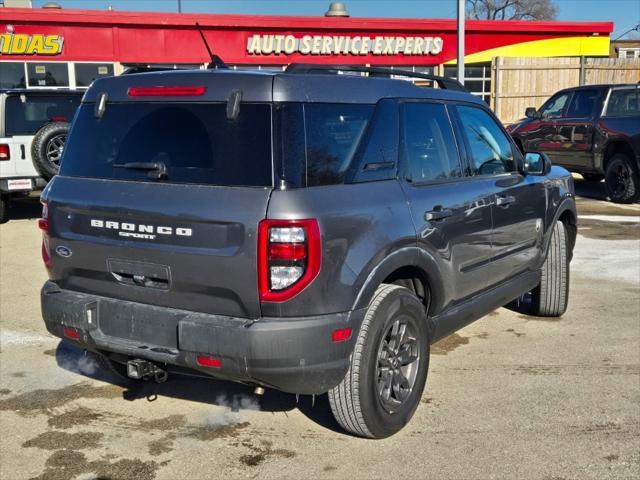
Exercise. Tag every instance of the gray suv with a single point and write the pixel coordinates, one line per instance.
(306, 231)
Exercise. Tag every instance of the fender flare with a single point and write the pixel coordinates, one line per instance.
(567, 204)
(405, 257)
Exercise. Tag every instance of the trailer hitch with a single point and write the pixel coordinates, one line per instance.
(140, 369)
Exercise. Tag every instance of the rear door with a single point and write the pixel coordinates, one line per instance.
(518, 202)
(574, 130)
(451, 212)
(159, 203)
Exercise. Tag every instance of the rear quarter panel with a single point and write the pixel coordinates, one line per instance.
(360, 225)
(611, 129)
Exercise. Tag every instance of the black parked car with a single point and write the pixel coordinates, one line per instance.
(592, 130)
(302, 231)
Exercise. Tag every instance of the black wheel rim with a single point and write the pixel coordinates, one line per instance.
(55, 146)
(397, 365)
(618, 179)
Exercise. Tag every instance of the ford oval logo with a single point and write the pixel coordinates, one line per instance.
(63, 251)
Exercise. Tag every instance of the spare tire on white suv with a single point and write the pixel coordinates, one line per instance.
(47, 147)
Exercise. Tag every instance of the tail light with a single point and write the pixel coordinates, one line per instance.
(5, 153)
(43, 224)
(289, 257)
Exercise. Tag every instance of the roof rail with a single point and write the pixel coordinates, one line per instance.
(443, 82)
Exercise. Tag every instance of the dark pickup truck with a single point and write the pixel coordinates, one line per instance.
(593, 130)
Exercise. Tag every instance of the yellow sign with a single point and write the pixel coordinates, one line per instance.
(23, 44)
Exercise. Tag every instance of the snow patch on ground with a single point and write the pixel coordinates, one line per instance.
(612, 218)
(11, 337)
(616, 260)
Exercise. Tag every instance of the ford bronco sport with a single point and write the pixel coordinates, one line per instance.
(33, 128)
(303, 231)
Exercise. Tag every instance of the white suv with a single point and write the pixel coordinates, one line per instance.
(33, 129)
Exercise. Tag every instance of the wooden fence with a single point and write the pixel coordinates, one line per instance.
(518, 83)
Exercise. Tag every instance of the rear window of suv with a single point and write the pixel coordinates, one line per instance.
(26, 113)
(196, 143)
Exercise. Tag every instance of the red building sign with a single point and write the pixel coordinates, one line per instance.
(142, 37)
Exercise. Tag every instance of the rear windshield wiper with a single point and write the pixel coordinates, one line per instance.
(157, 170)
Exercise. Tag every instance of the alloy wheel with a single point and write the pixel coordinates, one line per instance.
(55, 146)
(397, 366)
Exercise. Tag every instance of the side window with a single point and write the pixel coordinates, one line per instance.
(333, 133)
(624, 103)
(554, 106)
(428, 144)
(489, 147)
(378, 152)
(582, 103)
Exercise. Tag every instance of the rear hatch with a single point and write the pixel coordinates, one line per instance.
(160, 195)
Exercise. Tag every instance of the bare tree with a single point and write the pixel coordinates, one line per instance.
(511, 9)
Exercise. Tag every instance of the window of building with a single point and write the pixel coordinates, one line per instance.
(489, 147)
(428, 144)
(629, 52)
(48, 74)
(88, 72)
(12, 75)
(477, 78)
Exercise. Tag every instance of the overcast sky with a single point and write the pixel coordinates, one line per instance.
(624, 13)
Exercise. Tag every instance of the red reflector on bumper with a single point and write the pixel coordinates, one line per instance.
(43, 224)
(72, 333)
(341, 335)
(208, 361)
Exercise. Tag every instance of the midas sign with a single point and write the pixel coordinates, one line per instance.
(22, 44)
(343, 45)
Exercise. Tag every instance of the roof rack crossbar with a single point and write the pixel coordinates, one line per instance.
(443, 82)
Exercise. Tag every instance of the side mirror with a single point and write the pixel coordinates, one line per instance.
(537, 163)
(531, 112)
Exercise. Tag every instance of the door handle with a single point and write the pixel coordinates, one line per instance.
(505, 200)
(22, 151)
(437, 214)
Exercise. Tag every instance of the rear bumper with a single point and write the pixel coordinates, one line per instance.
(294, 355)
(12, 184)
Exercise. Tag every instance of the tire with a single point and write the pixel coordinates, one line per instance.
(592, 177)
(47, 147)
(355, 402)
(551, 297)
(621, 180)
(119, 370)
(4, 209)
